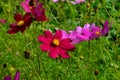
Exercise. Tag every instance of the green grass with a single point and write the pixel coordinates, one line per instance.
(101, 55)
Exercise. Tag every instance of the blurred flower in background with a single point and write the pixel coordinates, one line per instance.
(3, 21)
(17, 76)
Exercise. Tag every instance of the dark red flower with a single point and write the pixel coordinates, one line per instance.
(20, 24)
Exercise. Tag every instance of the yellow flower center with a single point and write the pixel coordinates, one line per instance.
(20, 23)
(56, 42)
(97, 32)
(30, 7)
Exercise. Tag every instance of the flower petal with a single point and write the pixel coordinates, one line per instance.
(18, 17)
(58, 34)
(44, 39)
(48, 34)
(66, 45)
(53, 52)
(7, 78)
(44, 47)
(63, 53)
(17, 76)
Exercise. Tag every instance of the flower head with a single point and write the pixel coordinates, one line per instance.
(78, 35)
(77, 1)
(29, 4)
(37, 10)
(17, 76)
(3, 21)
(20, 24)
(55, 44)
(55, 1)
(39, 13)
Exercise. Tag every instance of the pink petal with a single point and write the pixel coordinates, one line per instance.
(63, 53)
(3, 21)
(48, 34)
(17, 76)
(26, 7)
(53, 53)
(58, 34)
(44, 47)
(44, 39)
(64, 34)
(66, 46)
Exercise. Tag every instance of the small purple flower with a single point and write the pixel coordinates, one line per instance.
(96, 31)
(77, 1)
(17, 76)
(55, 1)
(3, 21)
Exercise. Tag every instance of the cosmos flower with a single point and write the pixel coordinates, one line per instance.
(55, 0)
(39, 13)
(77, 1)
(78, 35)
(37, 10)
(29, 4)
(20, 24)
(55, 45)
(88, 32)
(96, 31)
(3, 21)
(17, 76)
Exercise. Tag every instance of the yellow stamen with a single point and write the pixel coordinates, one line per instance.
(97, 32)
(20, 23)
(30, 7)
(56, 42)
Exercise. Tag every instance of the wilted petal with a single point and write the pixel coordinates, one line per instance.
(105, 29)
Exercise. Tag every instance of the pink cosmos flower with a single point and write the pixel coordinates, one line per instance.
(3, 21)
(55, 0)
(77, 1)
(17, 76)
(39, 13)
(26, 5)
(78, 35)
(55, 45)
(37, 10)
(96, 31)
(88, 32)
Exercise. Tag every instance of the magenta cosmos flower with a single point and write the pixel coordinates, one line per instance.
(78, 35)
(96, 31)
(77, 1)
(17, 76)
(37, 10)
(55, 1)
(3, 21)
(20, 24)
(55, 45)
